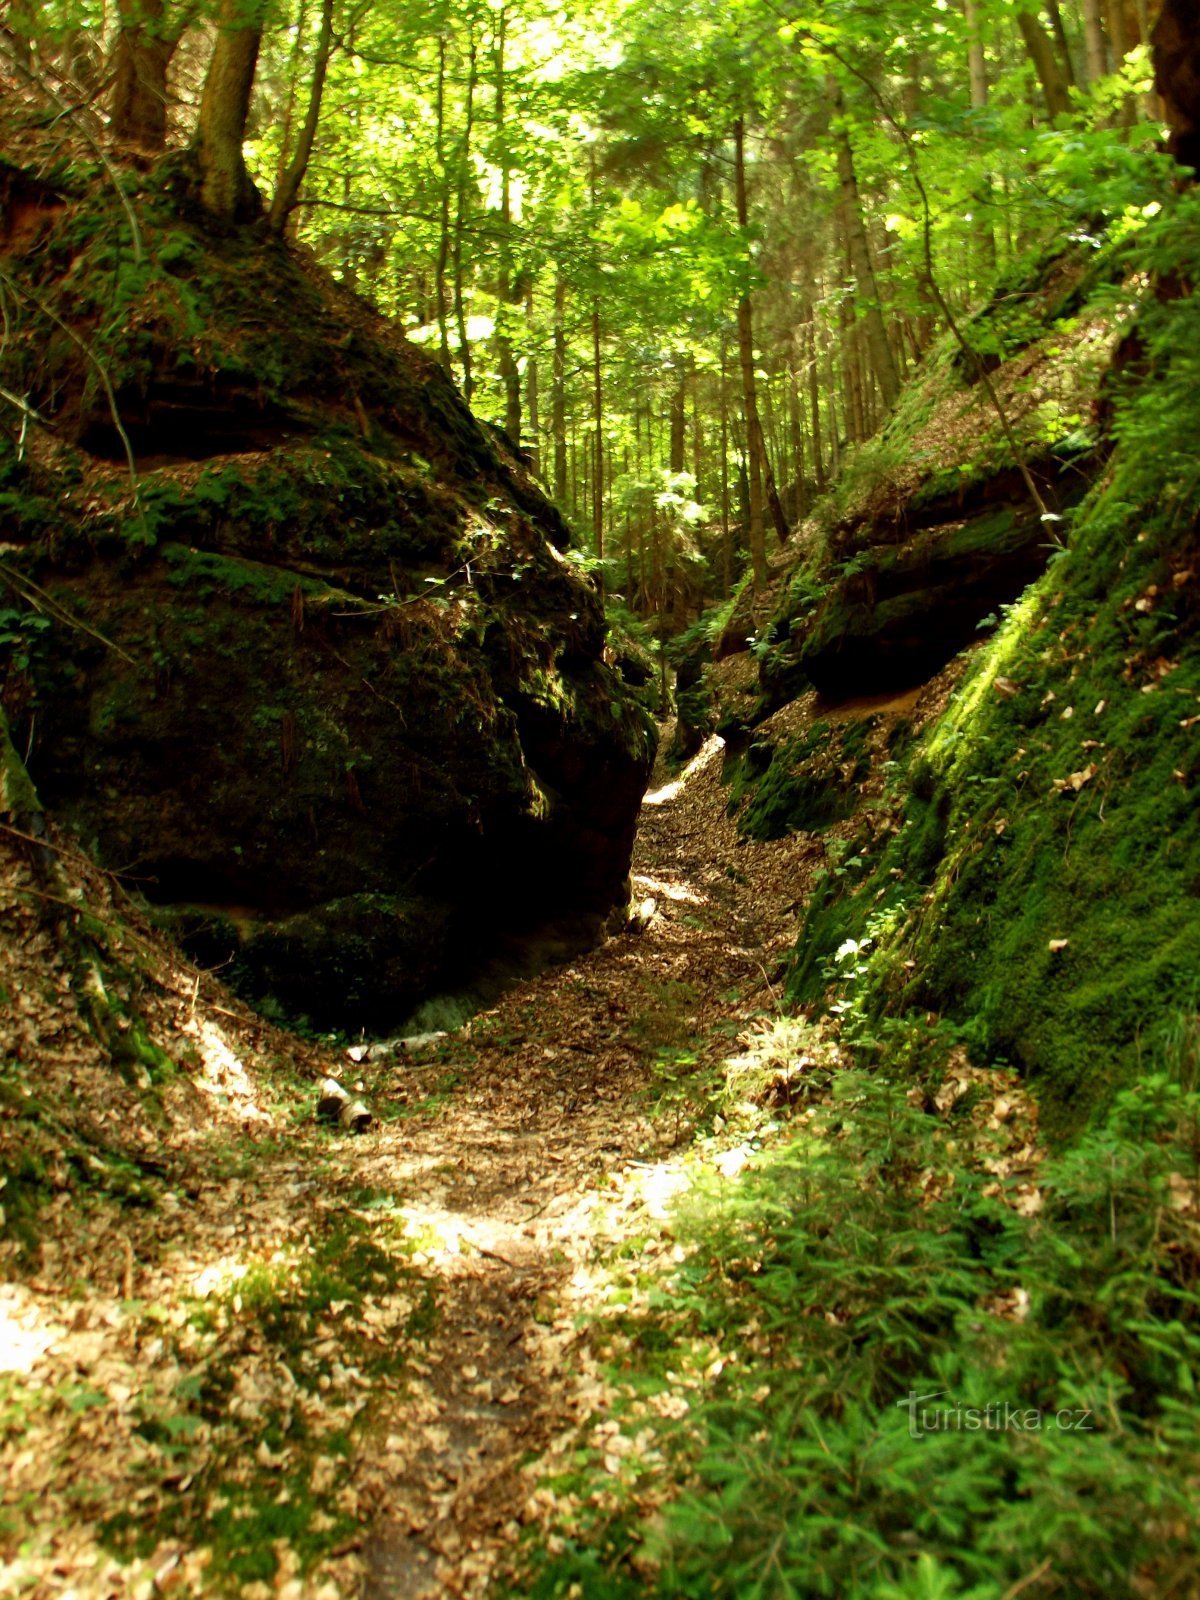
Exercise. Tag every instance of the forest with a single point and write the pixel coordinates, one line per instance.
(599, 855)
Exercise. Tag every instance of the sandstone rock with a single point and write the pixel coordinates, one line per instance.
(352, 724)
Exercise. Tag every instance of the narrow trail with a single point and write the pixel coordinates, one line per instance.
(516, 1173)
(251, 1339)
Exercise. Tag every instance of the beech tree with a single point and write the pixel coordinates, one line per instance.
(226, 190)
(292, 175)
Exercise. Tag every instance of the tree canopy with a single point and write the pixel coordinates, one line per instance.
(647, 240)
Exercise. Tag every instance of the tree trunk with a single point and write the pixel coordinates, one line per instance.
(1095, 44)
(851, 389)
(867, 291)
(1118, 32)
(831, 412)
(814, 402)
(141, 57)
(976, 62)
(1176, 41)
(288, 191)
(629, 533)
(1058, 29)
(295, 68)
(771, 489)
(679, 417)
(726, 529)
(598, 420)
(460, 214)
(745, 327)
(697, 431)
(443, 250)
(1045, 64)
(796, 434)
(977, 72)
(531, 388)
(510, 377)
(225, 188)
(558, 390)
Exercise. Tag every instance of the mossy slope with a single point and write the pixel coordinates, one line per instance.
(1035, 871)
(930, 526)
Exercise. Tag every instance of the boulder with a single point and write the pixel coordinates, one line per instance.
(326, 686)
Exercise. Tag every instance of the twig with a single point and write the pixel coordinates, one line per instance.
(25, 409)
(494, 1255)
(368, 608)
(84, 910)
(19, 582)
(48, 311)
(1040, 1571)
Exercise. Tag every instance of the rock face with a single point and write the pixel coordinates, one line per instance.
(1012, 849)
(902, 609)
(338, 695)
(930, 529)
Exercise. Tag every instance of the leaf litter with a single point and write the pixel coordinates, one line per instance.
(247, 1353)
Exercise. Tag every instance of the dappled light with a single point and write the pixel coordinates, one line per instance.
(223, 1075)
(707, 754)
(599, 748)
(26, 1333)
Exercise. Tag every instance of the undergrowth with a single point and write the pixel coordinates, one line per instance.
(911, 1379)
(252, 1446)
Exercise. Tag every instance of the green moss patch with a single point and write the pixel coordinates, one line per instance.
(1041, 884)
(806, 783)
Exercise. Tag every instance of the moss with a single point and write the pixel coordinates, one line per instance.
(806, 784)
(1041, 888)
(27, 1189)
(1052, 817)
(204, 572)
(276, 1478)
(18, 798)
(317, 512)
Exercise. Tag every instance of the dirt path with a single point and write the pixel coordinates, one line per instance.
(198, 1379)
(555, 1109)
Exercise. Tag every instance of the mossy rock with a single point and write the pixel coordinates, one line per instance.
(1043, 888)
(805, 784)
(371, 956)
(1037, 879)
(332, 677)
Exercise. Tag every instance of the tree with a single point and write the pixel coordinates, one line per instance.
(1046, 64)
(225, 187)
(288, 191)
(745, 327)
(883, 362)
(147, 40)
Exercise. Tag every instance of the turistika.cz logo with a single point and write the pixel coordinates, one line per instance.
(997, 1417)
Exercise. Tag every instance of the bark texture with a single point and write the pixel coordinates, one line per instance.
(288, 191)
(1177, 76)
(1045, 63)
(225, 188)
(141, 58)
